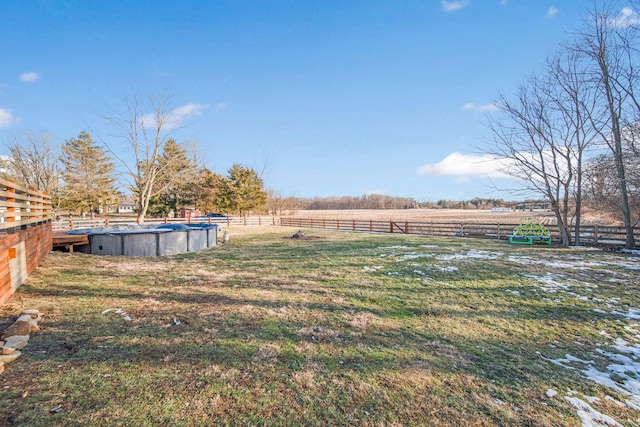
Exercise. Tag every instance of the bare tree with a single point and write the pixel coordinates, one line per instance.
(545, 134)
(145, 135)
(33, 162)
(609, 44)
(574, 101)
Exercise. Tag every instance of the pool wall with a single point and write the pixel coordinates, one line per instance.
(153, 242)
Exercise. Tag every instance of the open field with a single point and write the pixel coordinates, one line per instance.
(436, 215)
(337, 329)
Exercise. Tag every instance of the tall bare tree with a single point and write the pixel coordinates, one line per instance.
(610, 43)
(145, 136)
(544, 133)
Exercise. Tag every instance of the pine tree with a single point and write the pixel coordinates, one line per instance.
(169, 185)
(242, 191)
(87, 173)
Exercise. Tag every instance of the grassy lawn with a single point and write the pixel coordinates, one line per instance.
(338, 329)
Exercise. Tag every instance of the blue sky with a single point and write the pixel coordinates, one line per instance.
(329, 98)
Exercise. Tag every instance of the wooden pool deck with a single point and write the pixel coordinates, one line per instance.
(68, 241)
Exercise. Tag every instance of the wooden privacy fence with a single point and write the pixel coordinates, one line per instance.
(589, 234)
(25, 234)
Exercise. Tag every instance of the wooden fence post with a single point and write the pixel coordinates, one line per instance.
(338, 224)
(406, 227)
(595, 234)
(353, 225)
(391, 226)
(498, 233)
(370, 225)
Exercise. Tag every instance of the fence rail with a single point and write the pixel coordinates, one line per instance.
(589, 234)
(72, 224)
(21, 206)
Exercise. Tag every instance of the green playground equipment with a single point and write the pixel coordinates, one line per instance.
(530, 232)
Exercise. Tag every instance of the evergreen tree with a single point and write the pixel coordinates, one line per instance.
(169, 186)
(242, 191)
(87, 172)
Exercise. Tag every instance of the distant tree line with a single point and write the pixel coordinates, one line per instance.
(277, 204)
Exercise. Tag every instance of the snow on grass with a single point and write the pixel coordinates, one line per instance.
(550, 282)
(589, 416)
(574, 262)
(621, 375)
(471, 254)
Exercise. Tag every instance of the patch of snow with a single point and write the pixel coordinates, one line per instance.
(413, 255)
(617, 402)
(474, 254)
(550, 282)
(631, 251)
(449, 268)
(589, 416)
(372, 269)
(591, 399)
(119, 311)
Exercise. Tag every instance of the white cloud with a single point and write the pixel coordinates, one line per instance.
(29, 77)
(626, 18)
(175, 117)
(6, 118)
(450, 6)
(552, 11)
(464, 166)
(480, 108)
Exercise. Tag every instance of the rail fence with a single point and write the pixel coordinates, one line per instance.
(73, 224)
(589, 234)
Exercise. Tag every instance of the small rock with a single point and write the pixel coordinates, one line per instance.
(56, 409)
(8, 358)
(7, 351)
(317, 329)
(35, 314)
(18, 328)
(16, 341)
(551, 393)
